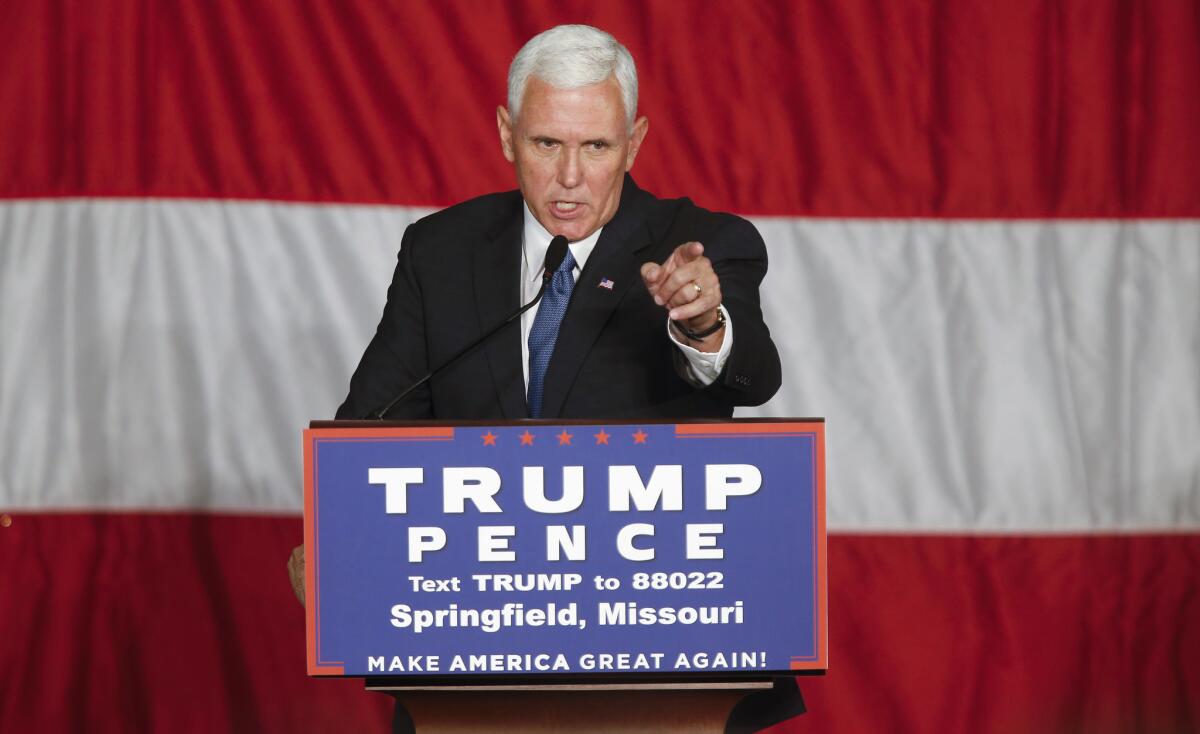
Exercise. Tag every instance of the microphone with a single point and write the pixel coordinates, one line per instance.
(555, 254)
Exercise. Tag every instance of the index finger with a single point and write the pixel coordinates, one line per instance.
(689, 251)
(651, 272)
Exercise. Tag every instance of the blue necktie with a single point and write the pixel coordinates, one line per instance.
(545, 330)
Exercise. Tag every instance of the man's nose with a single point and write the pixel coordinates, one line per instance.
(569, 171)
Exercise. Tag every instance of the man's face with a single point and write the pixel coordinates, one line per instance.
(571, 150)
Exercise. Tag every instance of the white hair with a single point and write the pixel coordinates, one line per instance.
(573, 56)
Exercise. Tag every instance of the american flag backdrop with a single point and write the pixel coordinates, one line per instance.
(983, 221)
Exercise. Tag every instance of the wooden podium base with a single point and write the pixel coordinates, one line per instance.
(695, 708)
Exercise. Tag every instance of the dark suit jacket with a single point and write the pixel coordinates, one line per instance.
(459, 274)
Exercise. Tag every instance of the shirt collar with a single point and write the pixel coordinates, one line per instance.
(535, 241)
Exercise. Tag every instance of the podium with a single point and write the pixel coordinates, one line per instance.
(695, 708)
(547, 576)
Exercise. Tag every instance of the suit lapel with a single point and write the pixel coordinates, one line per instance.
(615, 258)
(497, 275)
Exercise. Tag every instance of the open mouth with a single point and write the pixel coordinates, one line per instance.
(565, 208)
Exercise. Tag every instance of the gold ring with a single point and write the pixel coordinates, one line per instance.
(699, 290)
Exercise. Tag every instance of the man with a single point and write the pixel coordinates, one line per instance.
(654, 313)
(572, 136)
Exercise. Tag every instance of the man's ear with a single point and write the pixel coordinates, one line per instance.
(635, 141)
(504, 123)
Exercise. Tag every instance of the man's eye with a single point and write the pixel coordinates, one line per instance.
(547, 144)
(598, 146)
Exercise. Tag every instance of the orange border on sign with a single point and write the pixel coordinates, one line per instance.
(310, 561)
(822, 661)
(409, 432)
(730, 429)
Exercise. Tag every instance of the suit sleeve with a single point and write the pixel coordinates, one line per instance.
(752, 374)
(396, 357)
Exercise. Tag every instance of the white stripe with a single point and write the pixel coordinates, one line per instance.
(976, 376)
(167, 354)
(995, 375)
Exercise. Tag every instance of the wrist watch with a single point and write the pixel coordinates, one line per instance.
(700, 335)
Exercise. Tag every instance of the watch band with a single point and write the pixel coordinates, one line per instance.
(699, 335)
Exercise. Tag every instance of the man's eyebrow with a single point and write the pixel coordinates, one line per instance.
(544, 139)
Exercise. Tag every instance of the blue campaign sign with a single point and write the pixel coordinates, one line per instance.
(566, 550)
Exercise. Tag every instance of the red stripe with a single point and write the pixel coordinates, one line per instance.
(117, 623)
(1085, 108)
(1010, 634)
(187, 623)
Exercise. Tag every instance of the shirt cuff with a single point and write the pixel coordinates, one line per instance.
(703, 368)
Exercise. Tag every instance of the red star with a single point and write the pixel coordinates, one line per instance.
(527, 438)
(601, 438)
(564, 438)
(639, 437)
(489, 439)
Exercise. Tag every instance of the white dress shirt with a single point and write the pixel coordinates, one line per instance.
(703, 367)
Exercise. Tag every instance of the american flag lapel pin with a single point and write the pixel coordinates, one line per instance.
(606, 283)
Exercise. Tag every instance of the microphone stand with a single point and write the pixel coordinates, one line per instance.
(554, 257)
